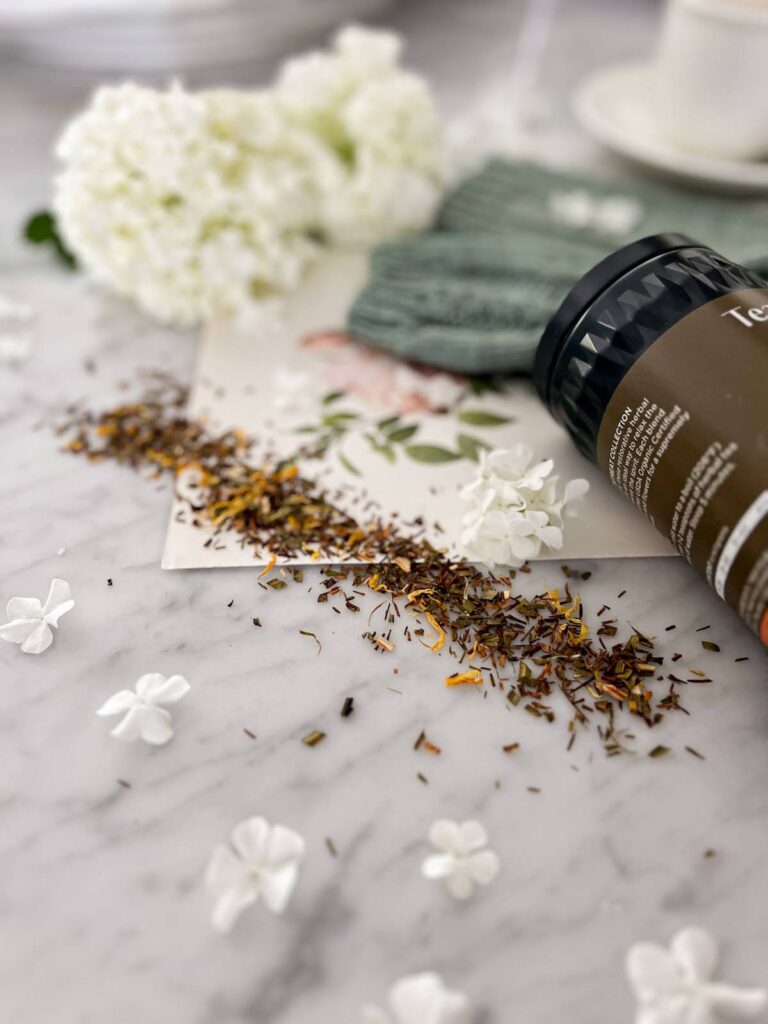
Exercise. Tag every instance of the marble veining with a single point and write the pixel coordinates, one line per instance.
(103, 913)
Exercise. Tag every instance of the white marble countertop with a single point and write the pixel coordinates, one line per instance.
(103, 915)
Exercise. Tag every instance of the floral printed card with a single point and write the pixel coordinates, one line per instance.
(382, 436)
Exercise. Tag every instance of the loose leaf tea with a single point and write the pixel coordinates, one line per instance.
(525, 648)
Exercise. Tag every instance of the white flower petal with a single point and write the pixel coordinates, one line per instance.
(459, 883)
(368, 49)
(24, 608)
(225, 870)
(438, 865)
(484, 867)
(277, 885)
(417, 998)
(552, 536)
(229, 906)
(119, 702)
(576, 489)
(651, 971)
(472, 836)
(695, 951)
(128, 729)
(38, 640)
(169, 691)
(16, 631)
(284, 846)
(741, 1003)
(444, 835)
(232, 889)
(58, 602)
(250, 838)
(148, 685)
(155, 724)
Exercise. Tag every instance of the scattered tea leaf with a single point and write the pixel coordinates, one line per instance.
(306, 632)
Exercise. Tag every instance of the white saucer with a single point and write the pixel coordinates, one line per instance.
(615, 106)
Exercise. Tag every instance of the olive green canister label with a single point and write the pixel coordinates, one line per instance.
(685, 436)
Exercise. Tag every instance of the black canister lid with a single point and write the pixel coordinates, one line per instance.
(586, 291)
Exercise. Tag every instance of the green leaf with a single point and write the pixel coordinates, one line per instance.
(470, 447)
(41, 229)
(332, 396)
(400, 434)
(383, 449)
(336, 418)
(388, 421)
(482, 385)
(348, 465)
(481, 418)
(430, 453)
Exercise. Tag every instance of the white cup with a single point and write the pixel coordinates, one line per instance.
(711, 80)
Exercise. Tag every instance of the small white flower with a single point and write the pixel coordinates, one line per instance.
(32, 623)
(438, 390)
(145, 718)
(264, 862)
(515, 507)
(420, 999)
(613, 215)
(673, 986)
(293, 390)
(463, 860)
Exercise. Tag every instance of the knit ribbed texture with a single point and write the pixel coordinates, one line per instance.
(475, 294)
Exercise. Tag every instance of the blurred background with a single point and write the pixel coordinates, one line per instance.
(493, 60)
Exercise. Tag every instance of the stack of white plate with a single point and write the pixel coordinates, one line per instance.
(155, 36)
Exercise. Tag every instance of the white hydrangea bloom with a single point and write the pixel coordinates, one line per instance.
(675, 986)
(515, 507)
(420, 999)
(190, 204)
(380, 123)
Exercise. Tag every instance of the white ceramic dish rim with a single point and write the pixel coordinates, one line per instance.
(653, 151)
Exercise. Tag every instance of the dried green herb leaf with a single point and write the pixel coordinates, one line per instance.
(306, 632)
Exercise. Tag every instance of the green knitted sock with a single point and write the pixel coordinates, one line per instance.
(474, 295)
